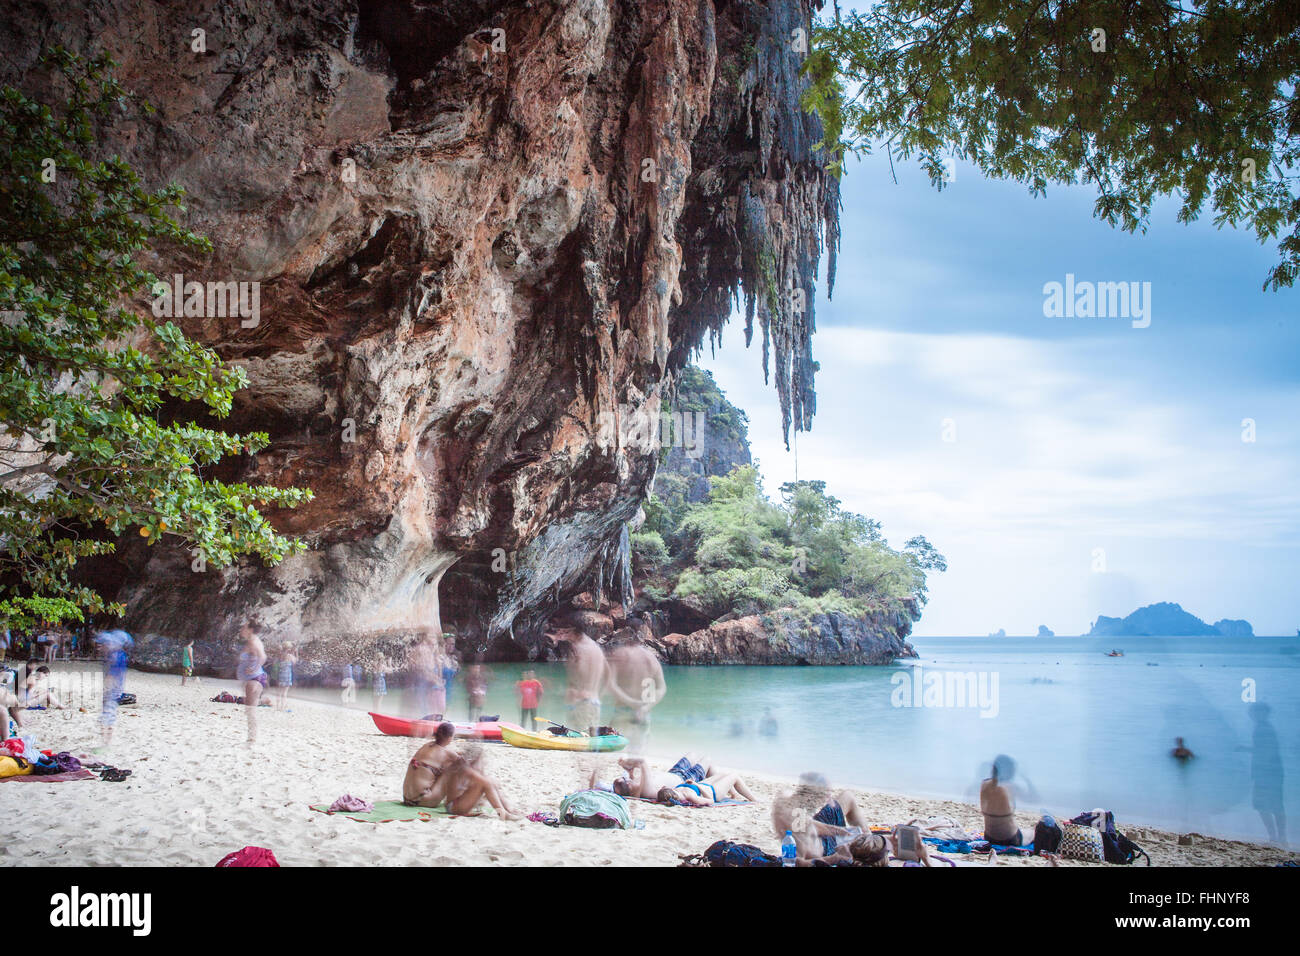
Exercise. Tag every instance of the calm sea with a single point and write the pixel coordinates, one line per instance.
(1086, 730)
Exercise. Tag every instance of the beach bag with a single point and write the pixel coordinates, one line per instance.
(1047, 836)
(126, 698)
(14, 766)
(249, 856)
(598, 809)
(727, 853)
(1079, 842)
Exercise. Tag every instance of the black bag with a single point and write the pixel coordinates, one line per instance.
(1120, 849)
(1047, 837)
(126, 698)
(727, 853)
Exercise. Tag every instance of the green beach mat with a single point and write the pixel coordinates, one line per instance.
(387, 811)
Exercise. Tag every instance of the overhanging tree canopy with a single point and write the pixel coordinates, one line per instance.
(1140, 99)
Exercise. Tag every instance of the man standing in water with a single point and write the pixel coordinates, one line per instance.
(587, 675)
(637, 683)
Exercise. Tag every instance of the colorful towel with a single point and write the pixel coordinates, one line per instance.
(390, 811)
(55, 777)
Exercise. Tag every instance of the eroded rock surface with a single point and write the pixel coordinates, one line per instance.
(486, 233)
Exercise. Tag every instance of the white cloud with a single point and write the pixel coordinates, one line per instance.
(1062, 445)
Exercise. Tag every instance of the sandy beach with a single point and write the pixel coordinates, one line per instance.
(198, 792)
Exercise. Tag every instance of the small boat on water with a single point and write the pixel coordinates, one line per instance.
(401, 727)
(1115, 653)
(516, 736)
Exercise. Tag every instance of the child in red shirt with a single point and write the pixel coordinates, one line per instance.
(530, 695)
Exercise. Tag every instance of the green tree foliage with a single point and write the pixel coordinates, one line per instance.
(739, 551)
(1191, 100)
(84, 453)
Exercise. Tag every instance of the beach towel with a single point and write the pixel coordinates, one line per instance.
(941, 828)
(56, 777)
(390, 811)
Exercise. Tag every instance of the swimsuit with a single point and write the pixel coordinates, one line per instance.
(689, 785)
(832, 814)
(688, 771)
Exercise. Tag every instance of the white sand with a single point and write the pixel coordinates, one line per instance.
(197, 793)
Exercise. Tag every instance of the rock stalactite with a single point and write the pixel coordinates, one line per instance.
(482, 231)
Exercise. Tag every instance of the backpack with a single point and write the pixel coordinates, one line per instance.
(1047, 836)
(727, 853)
(598, 809)
(1120, 849)
(249, 856)
(44, 766)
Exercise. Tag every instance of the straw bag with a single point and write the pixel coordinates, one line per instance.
(1082, 843)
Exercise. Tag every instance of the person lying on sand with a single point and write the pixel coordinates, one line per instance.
(438, 775)
(824, 825)
(706, 792)
(641, 780)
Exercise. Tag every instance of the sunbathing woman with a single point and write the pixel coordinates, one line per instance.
(706, 792)
(437, 775)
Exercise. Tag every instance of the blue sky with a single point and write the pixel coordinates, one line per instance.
(1080, 443)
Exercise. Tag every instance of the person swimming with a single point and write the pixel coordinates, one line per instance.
(1180, 752)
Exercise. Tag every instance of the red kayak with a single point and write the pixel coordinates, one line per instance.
(401, 727)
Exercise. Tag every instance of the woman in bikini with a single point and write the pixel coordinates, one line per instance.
(706, 792)
(998, 804)
(251, 673)
(437, 775)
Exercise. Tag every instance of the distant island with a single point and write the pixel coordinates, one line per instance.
(1000, 632)
(1045, 631)
(1166, 620)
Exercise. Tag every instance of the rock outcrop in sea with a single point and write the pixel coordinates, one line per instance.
(488, 235)
(1166, 620)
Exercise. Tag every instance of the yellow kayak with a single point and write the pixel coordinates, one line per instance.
(516, 736)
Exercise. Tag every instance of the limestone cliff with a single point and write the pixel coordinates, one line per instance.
(487, 235)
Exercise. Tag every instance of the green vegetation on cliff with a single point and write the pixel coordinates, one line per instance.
(739, 552)
(88, 447)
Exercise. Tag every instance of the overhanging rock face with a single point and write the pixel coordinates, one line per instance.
(486, 235)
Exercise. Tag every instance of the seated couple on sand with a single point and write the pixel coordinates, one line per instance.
(689, 782)
(437, 775)
(830, 828)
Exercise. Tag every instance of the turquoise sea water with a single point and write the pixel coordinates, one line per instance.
(1086, 730)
